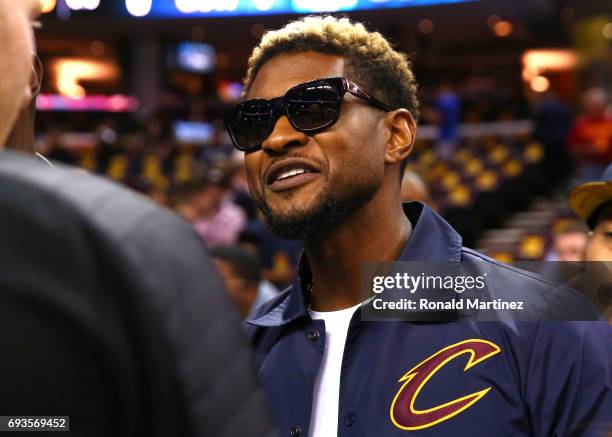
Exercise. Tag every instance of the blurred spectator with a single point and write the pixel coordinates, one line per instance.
(182, 199)
(53, 149)
(553, 120)
(279, 256)
(600, 249)
(600, 244)
(447, 115)
(592, 201)
(591, 135)
(563, 263)
(153, 192)
(570, 244)
(241, 196)
(204, 203)
(241, 272)
(414, 188)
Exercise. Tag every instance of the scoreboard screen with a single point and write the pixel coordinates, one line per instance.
(217, 8)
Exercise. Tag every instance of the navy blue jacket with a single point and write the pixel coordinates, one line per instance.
(440, 379)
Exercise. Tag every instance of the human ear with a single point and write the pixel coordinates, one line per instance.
(401, 132)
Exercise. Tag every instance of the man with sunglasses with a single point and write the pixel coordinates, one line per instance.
(327, 124)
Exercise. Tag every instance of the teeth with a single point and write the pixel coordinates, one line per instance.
(289, 173)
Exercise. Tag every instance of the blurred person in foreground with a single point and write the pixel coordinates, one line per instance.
(590, 137)
(107, 302)
(336, 109)
(16, 63)
(241, 271)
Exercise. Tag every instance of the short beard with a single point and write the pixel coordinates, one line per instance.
(329, 211)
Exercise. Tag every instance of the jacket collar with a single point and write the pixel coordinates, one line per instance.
(432, 239)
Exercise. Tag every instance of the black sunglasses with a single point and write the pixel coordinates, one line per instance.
(310, 107)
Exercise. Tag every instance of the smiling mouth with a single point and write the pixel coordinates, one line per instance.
(290, 175)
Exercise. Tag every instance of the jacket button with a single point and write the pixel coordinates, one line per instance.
(349, 419)
(313, 335)
(296, 430)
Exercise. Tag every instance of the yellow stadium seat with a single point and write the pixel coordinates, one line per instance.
(512, 168)
(473, 167)
(450, 180)
(534, 152)
(498, 155)
(117, 167)
(532, 247)
(460, 196)
(487, 181)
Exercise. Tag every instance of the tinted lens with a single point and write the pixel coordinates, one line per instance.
(251, 123)
(313, 106)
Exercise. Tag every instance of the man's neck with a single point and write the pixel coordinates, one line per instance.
(373, 233)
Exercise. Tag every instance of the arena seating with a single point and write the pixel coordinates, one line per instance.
(484, 181)
(496, 172)
(528, 236)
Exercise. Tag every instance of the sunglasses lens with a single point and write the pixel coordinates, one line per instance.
(250, 124)
(313, 106)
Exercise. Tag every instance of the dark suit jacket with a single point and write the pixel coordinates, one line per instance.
(111, 313)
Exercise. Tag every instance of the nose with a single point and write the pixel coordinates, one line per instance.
(283, 136)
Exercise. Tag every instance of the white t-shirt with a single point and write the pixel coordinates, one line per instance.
(324, 418)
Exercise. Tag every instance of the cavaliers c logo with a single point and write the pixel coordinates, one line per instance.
(406, 417)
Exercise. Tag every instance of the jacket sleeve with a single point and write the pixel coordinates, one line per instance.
(569, 382)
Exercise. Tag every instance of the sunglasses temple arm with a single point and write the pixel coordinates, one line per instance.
(354, 89)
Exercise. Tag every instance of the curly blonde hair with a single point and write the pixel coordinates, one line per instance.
(369, 58)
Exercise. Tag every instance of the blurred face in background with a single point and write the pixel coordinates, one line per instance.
(239, 180)
(600, 243)
(208, 201)
(595, 102)
(571, 246)
(413, 188)
(240, 290)
(17, 47)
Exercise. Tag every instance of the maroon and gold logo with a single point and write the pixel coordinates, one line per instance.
(406, 417)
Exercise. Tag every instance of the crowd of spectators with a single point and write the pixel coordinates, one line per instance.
(465, 179)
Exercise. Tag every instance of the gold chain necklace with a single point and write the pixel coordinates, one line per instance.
(310, 294)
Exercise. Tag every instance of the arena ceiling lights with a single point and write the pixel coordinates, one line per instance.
(200, 8)
(83, 5)
(138, 8)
